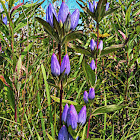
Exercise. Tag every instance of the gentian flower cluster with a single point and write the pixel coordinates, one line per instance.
(93, 44)
(62, 15)
(56, 69)
(93, 7)
(71, 118)
(89, 96)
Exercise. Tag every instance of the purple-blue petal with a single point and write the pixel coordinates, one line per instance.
(91, 7)
(92, 44)
(64, 114)
(85, 97)
(91, 94)
(55, 67)
(63, 12)
(63, 133)
(82, 115)
(49, 14)
(65, 65)
(5, 20)
(94, 4)
(92, 65)
(72, 117)
(107, 6)
(74, 19)
(100, 45)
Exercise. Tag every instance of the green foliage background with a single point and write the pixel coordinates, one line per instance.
(25, 44)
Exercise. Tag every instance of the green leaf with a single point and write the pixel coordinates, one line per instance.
(20, 25)
(48, 99)
(81, 50)
(63, 100)
(127, 16)
(72, 36)
(111, 49)
(49, 29)
(107, 109)
(90, 74)
(10, 96)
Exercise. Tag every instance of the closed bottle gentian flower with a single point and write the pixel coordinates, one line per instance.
(82, 115)
(72, 117)
(55, 67)
(92, 44)
(63, 12)
(65, 65)
(91, 94)
(92, 65)
(91, 7)
(49, 14)
(64, 114)
(74, 19)
(85, 97)
(4, 19)
(107, 6)
(100, 45)
(63, 133)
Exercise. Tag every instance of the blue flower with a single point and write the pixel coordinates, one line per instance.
(92, 44)
(65, 65)
(49, 14)
(74, 19)
(91, 94)
(55, 67)
(72, 117)
(63, 12)
(82, 115)
(63, 133)
(92, 65)
(107, 6)
(92, 6)
(85, 97)
(64, 114)
(100, 45)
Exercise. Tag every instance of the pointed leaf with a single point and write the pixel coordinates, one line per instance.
(49, 29)
(111, 49)
(63, 100)
(90, 74)
(72, 36)
(107, 109)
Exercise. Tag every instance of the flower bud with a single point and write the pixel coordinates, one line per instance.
(107, 6)
(65, 65)
(63, 133)
(82, 115)
(94, 4)
(92, 65)
(72, 117)
(4, 19)
(92, 44)
(91, 94)
(64, 114)
(100, 45)
(63, 12)
(67, 23)
(74, 19)
(91, 7)
(49, 14)
(55, 67)
(85, 97)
